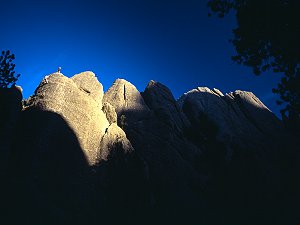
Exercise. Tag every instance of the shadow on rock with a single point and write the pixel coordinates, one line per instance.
(47, 170)
(122, 178)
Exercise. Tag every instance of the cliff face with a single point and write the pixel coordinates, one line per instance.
(241, 118)
(78, 100)
(207, 158)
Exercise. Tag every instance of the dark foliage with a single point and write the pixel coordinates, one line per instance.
(7, 74)
(267, 39)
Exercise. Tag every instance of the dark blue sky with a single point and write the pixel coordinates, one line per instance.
(173, 42)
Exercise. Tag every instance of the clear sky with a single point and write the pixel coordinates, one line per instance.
(173, 42)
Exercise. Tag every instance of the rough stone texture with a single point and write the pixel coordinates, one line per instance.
(257, 113)
(114, 138)
(255, 142)
(240, 117)
(110, 112)
(78, 101)
(164, 150)
(218, 92)
(160, 99)
(125, 98)
(88, 82)
(141, 123)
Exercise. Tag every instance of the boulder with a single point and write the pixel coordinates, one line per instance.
(240, 117)
(257, 113)
(114, 139)
(78, 101)
(127, 100)
(88, 82)
(159, 98)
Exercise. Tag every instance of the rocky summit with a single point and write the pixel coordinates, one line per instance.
(72, 154)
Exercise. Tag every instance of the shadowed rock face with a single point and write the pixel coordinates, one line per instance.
(241, 118)
(257, 113)
(166, 155)
(160, 99)
(254, 140)
(114, 136)
(11, 106)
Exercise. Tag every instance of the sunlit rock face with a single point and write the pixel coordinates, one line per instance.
(125, 98)
(79, 101)
(110, 112)
(88, 82)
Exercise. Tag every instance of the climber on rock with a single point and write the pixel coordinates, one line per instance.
(46, 79)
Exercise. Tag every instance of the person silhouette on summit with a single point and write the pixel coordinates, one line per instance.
(46, 77)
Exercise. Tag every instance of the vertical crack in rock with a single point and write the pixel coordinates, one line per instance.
(113, 138)
(124, 95)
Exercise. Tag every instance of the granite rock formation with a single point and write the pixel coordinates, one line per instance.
(79, 101)
(58, 138)
(77, 155)
(242, 120)
(160, 99)
(114, 136)
(125, 98)
(110, 112)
